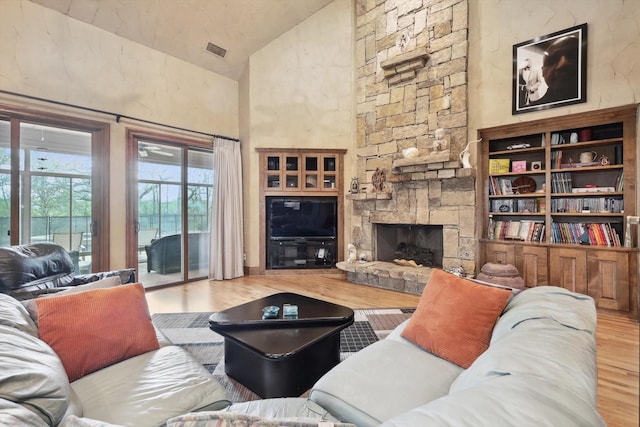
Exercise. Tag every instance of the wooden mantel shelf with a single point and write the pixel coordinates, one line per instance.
(382, 195)
(403, 67)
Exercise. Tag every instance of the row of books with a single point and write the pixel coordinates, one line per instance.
(499, 186)
(619, 185)
(596, 234)
(556, 159)
(525, 230)
(591, 204)
(561, 182)
(514, 205)
(557, 139)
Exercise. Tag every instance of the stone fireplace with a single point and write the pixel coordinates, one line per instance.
(403, 243)
(411, 80)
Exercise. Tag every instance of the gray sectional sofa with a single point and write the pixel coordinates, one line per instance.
(539, 370)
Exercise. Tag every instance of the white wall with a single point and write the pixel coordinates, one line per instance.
(47, 55)
(613, 53)
(300, 91)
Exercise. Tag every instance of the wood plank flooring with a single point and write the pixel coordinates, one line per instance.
(617, 336)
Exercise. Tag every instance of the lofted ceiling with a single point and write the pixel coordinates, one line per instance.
(183, 28)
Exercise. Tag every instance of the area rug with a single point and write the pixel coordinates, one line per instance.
(191, 331)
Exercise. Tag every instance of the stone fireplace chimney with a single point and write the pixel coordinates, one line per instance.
(411, 59)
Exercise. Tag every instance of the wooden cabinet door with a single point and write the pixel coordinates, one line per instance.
(568, 269)
(608, 275)
(532, 263)
(500, 253)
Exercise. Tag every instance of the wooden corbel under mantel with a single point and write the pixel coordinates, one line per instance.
(403, 67)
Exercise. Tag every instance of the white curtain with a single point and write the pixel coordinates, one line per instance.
(226, 254)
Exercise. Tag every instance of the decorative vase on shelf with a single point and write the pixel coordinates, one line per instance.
(466, 154)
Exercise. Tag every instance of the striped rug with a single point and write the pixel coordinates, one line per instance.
(191, 331)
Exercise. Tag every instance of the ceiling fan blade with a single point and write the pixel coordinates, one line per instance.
(163, 153)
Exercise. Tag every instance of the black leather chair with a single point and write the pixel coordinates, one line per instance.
(164, 254)
(27, 271)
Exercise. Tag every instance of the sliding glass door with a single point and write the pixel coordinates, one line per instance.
(170, 206)
(50, 188)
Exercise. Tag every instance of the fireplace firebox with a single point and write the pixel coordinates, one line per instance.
(412, 242)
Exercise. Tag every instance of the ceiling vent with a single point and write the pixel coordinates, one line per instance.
(216, 50)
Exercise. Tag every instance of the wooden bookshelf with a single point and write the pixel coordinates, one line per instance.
(580, 193)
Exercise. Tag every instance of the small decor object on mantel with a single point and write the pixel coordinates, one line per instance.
(409, 153)
(378, 179)
(355, 186)
(440, 148)
(466, 154)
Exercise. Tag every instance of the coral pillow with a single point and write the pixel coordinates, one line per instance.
(94, 329)
(455, 317)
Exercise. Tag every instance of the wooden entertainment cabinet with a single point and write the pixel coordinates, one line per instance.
(312, 173)
(560, 215)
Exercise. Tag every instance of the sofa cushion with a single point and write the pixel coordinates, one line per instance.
(74, 421)
(14, 414)
(93, 329)
(283, 407)
(31, 374)
(150, 388)
(105, 283)
(383, 380)
(506, 400)
(540, 336)
(455, 317)
(230, 419)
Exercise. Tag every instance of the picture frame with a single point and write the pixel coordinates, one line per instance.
(541, 80)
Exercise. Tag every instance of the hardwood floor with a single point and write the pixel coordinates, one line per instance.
(616, 336)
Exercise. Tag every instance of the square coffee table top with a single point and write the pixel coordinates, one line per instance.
(312, 312)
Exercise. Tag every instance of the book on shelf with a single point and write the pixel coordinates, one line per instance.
(619, 185)
(561, 182)
(593, 190)
(525, 230)
(505, 186)
(499, 165)
(556, 159)
(578, 165)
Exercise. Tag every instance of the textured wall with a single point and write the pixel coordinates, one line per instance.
(300, 94)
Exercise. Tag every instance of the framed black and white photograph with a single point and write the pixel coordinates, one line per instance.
(550, 71)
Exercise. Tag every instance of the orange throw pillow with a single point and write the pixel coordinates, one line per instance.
(94, 329)
(455, 317)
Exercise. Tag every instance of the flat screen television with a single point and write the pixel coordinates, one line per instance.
(301, 217)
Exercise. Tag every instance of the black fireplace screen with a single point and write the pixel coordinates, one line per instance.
(411, 242)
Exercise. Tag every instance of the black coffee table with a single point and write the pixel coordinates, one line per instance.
(281, 357)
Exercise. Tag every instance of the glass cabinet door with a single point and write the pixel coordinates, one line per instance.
(273, 171)
(311, 172)
(329, 176)
(292, 172)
